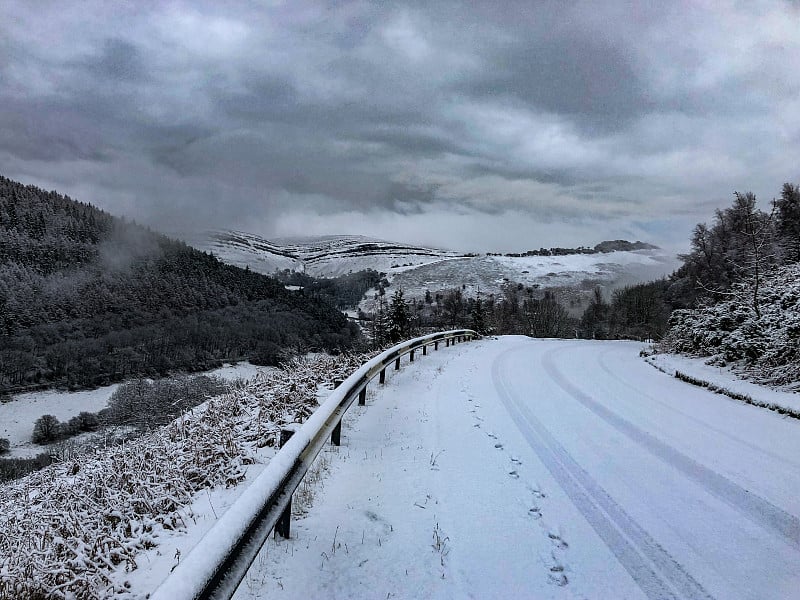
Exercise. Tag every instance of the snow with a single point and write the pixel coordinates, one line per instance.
(498, 469)
(116, 502)
(725, 378)
(416, 268)
(191, 576)
(514, 467)
(18, 414)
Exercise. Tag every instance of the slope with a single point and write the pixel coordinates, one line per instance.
(416, 269)
(87, 298)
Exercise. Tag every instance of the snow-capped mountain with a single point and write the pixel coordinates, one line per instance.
(416, 269)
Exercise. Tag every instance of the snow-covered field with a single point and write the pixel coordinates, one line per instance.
(18, 415)
(516, 468)
(488, 274)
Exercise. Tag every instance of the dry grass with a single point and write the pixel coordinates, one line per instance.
(65, 529)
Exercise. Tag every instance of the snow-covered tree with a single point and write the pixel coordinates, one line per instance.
(788, 223)
(765, 345)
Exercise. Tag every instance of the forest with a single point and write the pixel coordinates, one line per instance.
(87, 298)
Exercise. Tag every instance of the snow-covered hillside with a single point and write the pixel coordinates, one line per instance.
(416, 269)
(327, 256)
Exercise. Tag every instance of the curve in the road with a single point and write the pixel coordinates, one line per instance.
(758, 510)
(701, 422)
(633, 547)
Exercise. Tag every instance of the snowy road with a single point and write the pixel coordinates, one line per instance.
(518, 468)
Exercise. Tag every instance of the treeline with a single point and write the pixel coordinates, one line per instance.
(518, 311)
(344, 292)
(601, 248)
(87, 298)
(639, 312)
(740, 249)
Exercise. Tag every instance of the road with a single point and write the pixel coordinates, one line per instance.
(548, 469)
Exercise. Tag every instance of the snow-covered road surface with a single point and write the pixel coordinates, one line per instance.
(519, 468)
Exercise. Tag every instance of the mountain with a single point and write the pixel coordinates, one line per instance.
(87, 298)
(325, 256)
(572, 272)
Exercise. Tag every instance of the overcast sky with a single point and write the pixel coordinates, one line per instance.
(473, 126)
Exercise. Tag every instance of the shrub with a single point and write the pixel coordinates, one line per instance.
(85, 421)
(5, 445)
(46, 429)
(143, 403)
(14, 468)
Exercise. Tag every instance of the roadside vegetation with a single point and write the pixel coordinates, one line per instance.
(67, 527)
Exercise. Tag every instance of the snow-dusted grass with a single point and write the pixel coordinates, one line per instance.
(73, 530)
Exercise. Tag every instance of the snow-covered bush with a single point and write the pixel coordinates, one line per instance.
(65, 528)
(762, 344)
(144, 403)
(83, 422)
(46, 429)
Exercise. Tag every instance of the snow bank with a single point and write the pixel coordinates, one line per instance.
(725, 381)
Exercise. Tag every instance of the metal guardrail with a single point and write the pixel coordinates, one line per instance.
(216, 566)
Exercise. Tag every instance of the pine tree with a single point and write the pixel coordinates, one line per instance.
(478, 317)
(399, 321)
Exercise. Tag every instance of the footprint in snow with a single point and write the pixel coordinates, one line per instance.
(557, 577)
(513, 474)
(515, 460)
(499, 446)
(538, 493)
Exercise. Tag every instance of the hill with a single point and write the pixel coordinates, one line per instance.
(416, 269)
(87, 298)
(325, 256)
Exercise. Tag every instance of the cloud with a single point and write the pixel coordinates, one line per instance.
(577, 120)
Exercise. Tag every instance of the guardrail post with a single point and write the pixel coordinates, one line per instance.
(411, 358)
(336, 434)
(425, 350)
(383, 375)
(447, 343)
(397, 364)
(362, 396)
(435, 345)
(284, 524)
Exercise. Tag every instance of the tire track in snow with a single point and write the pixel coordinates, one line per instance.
(633, 547)
(604, 366)
(755, 508)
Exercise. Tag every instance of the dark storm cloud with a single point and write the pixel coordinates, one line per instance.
(118, 59)
(594, 119)
(586, 79)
